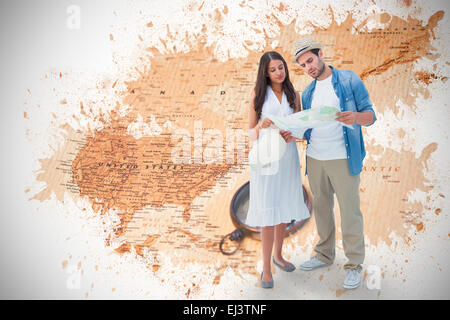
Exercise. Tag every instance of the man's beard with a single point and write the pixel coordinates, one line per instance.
(320, 71)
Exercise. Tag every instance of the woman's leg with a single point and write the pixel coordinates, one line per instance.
(279, 237)
(267, 236)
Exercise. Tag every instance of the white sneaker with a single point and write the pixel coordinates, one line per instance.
(313, 263)
(352, 279)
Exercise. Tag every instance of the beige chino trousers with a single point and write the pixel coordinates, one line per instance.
(326, 178)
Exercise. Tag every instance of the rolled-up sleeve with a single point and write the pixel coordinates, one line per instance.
(362, 98)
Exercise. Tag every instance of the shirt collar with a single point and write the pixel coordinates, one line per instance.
(334, 76)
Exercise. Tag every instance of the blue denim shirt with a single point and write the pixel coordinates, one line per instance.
(353, 96)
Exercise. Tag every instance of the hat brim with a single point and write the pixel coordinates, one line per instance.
(312, 47)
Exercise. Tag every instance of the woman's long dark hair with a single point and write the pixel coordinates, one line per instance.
(263, 80)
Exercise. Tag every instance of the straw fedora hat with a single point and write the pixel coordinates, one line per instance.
(304, 45)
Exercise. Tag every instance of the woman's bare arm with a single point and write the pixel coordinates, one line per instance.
(254, 126)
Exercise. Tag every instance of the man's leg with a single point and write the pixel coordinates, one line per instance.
(347, 193)
(323, 204)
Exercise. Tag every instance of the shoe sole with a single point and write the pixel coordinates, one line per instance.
(309, 269)
(351, 287)
(266, 284)
(270, 286)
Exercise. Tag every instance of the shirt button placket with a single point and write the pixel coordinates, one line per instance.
(346, 142)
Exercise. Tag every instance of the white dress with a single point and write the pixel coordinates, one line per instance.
(277, 198)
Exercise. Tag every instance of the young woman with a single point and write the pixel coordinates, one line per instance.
(276, 198)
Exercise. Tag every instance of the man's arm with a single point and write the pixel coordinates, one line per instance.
(365, 115)
(362, 100)
(362, 118)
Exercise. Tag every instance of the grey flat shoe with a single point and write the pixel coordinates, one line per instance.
(266, 284)
(289, 268)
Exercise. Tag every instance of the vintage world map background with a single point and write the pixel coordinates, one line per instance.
(93, 204)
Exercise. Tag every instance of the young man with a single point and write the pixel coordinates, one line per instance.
(334, 158)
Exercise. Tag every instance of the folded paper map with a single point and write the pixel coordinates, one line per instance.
(298, 123)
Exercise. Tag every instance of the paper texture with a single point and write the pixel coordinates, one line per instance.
(298, 123)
